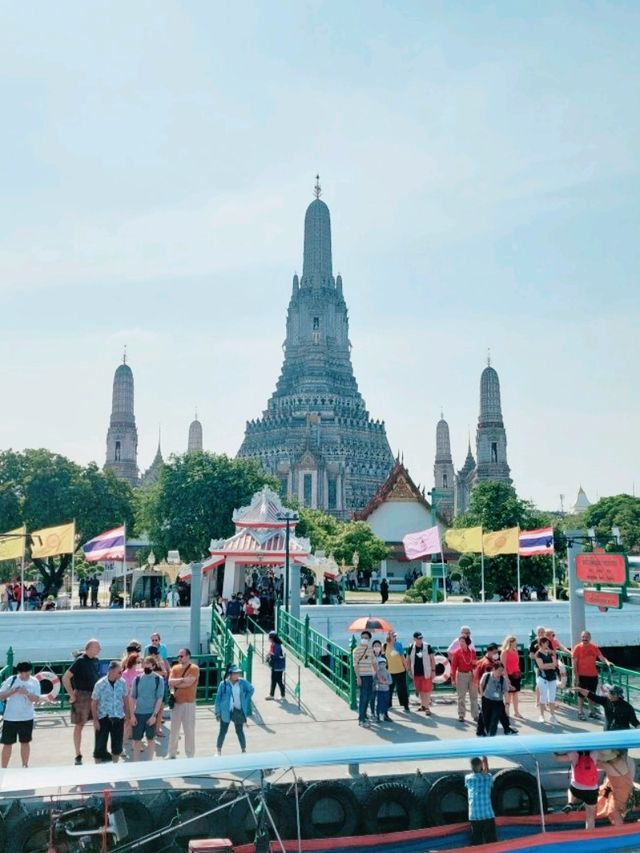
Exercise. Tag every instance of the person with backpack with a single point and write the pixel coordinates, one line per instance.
(147, 699)
(494, 686)
(583, 783)
(278, 662)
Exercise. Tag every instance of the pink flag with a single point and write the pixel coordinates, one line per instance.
(422, 543)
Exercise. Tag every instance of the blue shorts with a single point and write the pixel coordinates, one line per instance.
(142, 728)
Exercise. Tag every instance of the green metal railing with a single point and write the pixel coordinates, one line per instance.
(330, 661)
(225, 646)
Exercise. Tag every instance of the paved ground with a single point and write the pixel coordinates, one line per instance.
(320, 718)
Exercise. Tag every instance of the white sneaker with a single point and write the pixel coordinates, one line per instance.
(541, 718)
(554, 719)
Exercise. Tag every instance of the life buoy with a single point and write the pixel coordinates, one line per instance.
(562, 669)
(49, 684)
(443, 670)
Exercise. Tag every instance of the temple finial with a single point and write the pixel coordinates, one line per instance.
(489, 357)
(124, 355)
(317, 190)
(441, 413)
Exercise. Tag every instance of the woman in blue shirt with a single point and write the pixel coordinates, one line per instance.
(233, 705)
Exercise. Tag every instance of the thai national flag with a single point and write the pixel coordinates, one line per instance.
(534, 542)
(107, 546)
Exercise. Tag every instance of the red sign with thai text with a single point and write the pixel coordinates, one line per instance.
(602, 568)
(602, 599)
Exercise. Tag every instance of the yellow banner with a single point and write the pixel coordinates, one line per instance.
(52, 541)
(502, 542)
(12, 543)
(466, 540)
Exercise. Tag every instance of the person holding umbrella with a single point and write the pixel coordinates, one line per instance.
(365, 667)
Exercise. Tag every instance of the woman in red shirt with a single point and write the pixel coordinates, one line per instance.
(510, 658)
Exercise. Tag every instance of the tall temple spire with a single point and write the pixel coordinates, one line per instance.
(317, 267)
(152, 474)
(194, 444)
(491, 437)
(122, 435)
(443, 471)
(316, 435)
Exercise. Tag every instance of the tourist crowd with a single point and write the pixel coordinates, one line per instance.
(488, 686)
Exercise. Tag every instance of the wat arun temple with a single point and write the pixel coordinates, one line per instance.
(316, 435)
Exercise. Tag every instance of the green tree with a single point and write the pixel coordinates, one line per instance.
(48, 489)
(622, 511)
(496, 506)
(357, 536)
(319, 527)
(194, 500)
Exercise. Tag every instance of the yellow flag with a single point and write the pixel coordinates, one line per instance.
(466, 540)
(51, 541)
(502, 542)
(12, 543)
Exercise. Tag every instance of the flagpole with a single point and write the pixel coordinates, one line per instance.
(73, 562)
(124, 568)
(518, 575)
(22, 578)
(482, 567)
(553, 563)
(444, 579)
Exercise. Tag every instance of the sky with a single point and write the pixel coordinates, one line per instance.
(480, 161)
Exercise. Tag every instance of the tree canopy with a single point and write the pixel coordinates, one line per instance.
(622, 511)
(194, 500)
(43, 489)
(496, 506)
(340, 538)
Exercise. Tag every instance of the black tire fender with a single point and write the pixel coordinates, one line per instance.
(187, 805)
(391, 807)
(447, 801)
(242, 824)
(329, 810)
(29, 832)
(515, 793)
(138, 816)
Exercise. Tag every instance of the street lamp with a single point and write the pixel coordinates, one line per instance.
(288, 517)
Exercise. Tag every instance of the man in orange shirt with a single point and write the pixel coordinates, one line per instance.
(183, 684)
(585, 655)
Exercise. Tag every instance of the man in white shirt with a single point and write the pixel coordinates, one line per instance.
(20, 692)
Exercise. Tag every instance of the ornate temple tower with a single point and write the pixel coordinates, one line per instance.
(152, 474)
(194, 444)
(443, 472)
(316, 435)
(465, 479)
(122, 435)
(491, 438)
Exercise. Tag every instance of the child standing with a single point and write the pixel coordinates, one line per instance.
(382, 684)
(481, 815)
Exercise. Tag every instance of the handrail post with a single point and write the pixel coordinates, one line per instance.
(10, 655)
(306, 640)
(353, 691)
(249, 672)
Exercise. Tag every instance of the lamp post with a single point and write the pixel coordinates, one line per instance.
(288, 517)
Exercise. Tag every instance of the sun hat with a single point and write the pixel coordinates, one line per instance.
(234, 669)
